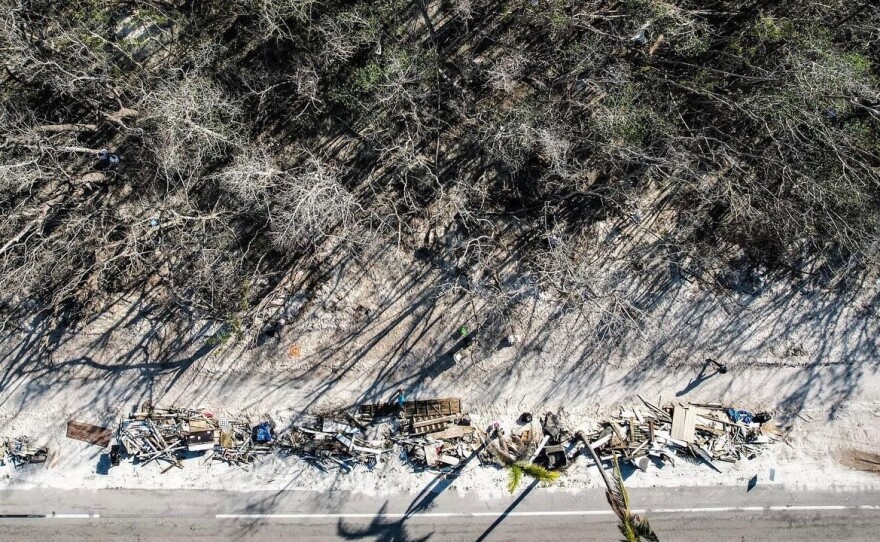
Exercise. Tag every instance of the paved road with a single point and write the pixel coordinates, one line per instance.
(682, 514)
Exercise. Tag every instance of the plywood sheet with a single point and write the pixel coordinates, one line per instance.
(93, 434)
(684, 421)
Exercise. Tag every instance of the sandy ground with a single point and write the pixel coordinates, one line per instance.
(364, 331)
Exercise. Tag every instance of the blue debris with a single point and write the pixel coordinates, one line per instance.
(737, 415)
(263, 433)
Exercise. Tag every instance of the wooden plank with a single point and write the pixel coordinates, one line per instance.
(704, 455)
(443, 407)
(638, 415)
(540, 447)
(684, 420)
(690, 422)
(453, 432)
(430, 407)
(433, 421)
(617, 432)
(678, 415)
(93, 434)
(658, 412)
(601, 442)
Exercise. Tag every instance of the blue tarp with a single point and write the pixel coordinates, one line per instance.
(737, 415)
(263, 433)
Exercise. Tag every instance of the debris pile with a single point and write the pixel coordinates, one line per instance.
(546, 444)
(155, 434)
(239, 443)
(432, 434)
(170, 434)
(435, 434)
(22, 451)
(338, 440)
(708, 432)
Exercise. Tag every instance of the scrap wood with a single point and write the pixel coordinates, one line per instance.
(713, 406)
(330, 426)
(423, 422)
(683, 421)
(702, 454)
(618, 434)
(707, 429)
(639, 449)
(540, 447)
(601, 442)
(351, 444)
(453, 432)
(443, 407)
(658, 412)
(638, 414)
(92, 434)
(431, 455)
(354, 421)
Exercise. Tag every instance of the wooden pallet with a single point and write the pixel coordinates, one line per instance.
(422, 425)
(431, 407)
(438, 407)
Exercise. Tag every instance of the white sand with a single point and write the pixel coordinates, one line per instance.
(807, 356)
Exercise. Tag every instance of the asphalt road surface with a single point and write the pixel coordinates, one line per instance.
(438, 513)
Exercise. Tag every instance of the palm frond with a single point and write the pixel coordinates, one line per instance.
(632, 527)
(520, 468)
(516, 474)
(538, 472)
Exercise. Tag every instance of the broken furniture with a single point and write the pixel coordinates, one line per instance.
(22, 451)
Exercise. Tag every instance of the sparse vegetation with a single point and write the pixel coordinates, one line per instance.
(520, 147)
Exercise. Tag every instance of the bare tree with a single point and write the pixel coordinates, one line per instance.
(252, 175)
(313, 205)
(274, 15)
(194, 124)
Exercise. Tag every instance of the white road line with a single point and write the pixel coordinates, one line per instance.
(777, 508)
(548, 513)
(49, 516)
(702, 510)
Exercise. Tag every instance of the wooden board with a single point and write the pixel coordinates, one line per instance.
(430, 407)
(93, 434)
(442, 407)
(453, 432)
(684, 420)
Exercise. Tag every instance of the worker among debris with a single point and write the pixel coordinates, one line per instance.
(106, 159)
(398, 400)
(720, 367)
